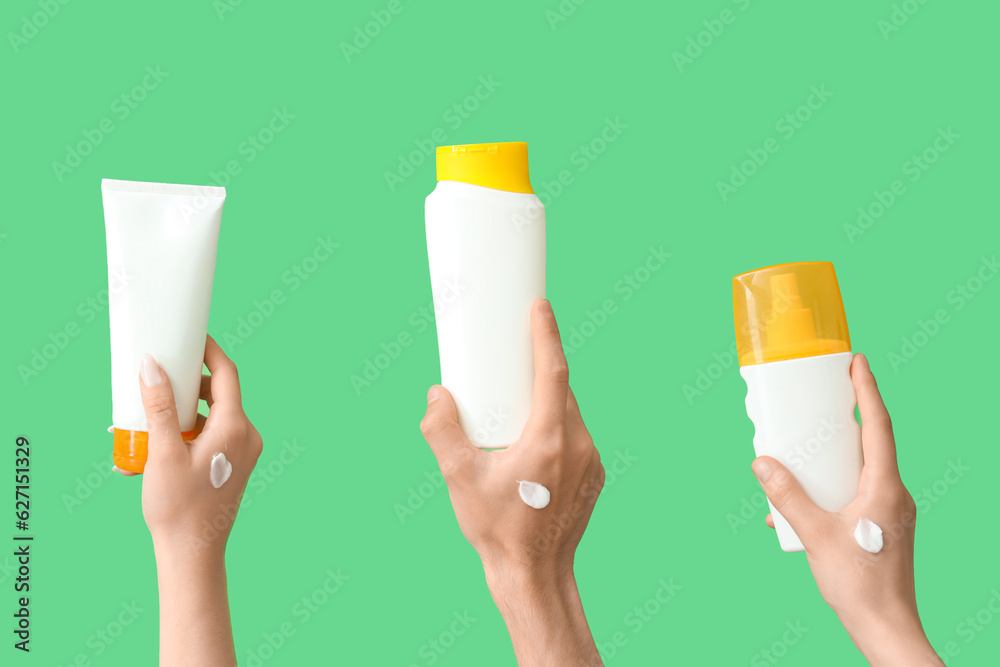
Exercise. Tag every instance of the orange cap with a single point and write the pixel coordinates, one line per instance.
(131, 448)
(789, 311)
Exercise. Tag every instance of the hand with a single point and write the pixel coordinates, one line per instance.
(183, 510)
(188, 517)
(872, 594)
(528, 553)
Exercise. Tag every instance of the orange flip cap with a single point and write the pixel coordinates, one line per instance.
(131, 448)
(789, 311)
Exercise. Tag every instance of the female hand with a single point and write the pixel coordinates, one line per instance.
(189, 516)
(872, 594)
(182, 508)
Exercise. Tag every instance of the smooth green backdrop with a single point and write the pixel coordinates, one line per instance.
(331, 500)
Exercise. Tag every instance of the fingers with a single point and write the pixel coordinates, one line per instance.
(788, 498)
(551, 388)
(442, 432)
(124, 473)
(161, 410)
(769, 520)
(225, 384)
(877, 440)
(205, 393)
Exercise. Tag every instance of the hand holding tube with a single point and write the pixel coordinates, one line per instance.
(188, 516)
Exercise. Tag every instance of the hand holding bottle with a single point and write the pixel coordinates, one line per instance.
(872, 593)
(528, 553)
(188, 516)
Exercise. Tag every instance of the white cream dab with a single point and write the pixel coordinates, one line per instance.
(868, 536)
(221, 470)
(534, 494)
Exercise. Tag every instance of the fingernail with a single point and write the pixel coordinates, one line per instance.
(434, 394)
(762, 469)
(150, 371)
(546, 307)
(115, 468)
(864, 360)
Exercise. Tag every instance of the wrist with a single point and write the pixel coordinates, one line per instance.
(188, 558)
(893, 637)
(541, 607)
(530, 578)
(195, 625)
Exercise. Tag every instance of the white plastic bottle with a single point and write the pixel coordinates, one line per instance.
(486, 249)
(795, 355)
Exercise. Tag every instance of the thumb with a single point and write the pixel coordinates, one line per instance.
(159, 406)
(441, 431)
(788, 497)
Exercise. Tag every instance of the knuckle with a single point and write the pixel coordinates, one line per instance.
(884, 421)
(256, 442)
(901, 500)
(228, 366)
(553, 445)
(891, 492)
(160, 404)
(431, 425)
(558, 371)
(551, 459)
(599, 477)
(238, 430)
(779, 489)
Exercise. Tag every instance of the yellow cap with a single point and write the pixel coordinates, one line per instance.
(789, 311)
(502, 166)
(131, 448)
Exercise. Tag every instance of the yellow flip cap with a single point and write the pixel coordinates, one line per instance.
(789, 311)
(502, 166)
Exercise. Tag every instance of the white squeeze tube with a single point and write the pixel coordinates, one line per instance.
(795, 356)
(486, 249)
(162, 240)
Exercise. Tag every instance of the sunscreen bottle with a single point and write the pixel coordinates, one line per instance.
(161, 240)
(486, 250)
(795, 356)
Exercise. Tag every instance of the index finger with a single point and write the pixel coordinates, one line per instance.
(225, 388)
(551, 388)
(877, 441)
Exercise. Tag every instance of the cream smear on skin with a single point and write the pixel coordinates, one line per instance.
(221, 470)
(868, 535)
(534, 494)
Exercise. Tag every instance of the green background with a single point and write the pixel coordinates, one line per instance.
(333, 505)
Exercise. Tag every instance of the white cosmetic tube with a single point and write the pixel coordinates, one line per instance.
(162, 241)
